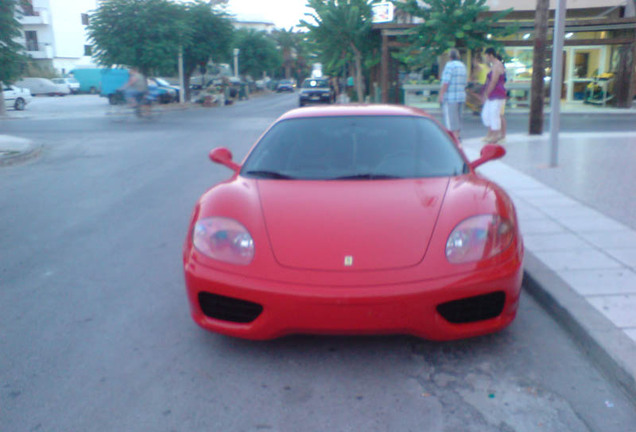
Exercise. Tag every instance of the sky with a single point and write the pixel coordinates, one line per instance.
(283, 13)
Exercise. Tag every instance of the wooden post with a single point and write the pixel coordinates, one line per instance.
(538, 67)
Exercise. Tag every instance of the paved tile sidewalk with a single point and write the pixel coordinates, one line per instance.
(592, 255)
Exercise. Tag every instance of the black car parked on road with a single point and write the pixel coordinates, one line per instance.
(285, 85)
(316, 90)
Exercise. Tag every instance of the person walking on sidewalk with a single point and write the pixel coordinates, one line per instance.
(452, 95)
(494, 97)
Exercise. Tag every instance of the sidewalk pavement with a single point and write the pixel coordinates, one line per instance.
(580, 264)
(14, 149)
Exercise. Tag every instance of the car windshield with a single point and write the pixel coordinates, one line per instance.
(162, 82)
(354, 148)
(58, 81)
(313, 83)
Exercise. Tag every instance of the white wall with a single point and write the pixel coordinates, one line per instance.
(68, 30)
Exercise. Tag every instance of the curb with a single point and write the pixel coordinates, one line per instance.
(16, 157)
(607, 345)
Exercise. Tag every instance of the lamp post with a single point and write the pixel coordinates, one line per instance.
(236, 54)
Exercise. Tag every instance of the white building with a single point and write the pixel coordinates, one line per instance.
(255, 24)
(54, 32)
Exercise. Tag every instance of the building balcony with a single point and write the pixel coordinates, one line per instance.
(40, 51)
(36, 16)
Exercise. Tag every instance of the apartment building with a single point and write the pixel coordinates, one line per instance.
(54, 32)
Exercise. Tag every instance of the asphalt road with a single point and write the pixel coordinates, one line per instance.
(95, 333)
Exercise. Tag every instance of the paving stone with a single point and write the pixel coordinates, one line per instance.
(601, 282)
(619, 309)
(583, 259)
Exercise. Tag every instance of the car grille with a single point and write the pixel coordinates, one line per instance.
(228, 308)
(473, 309)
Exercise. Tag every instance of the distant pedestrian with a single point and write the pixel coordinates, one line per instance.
(494, 97)
(452, 95)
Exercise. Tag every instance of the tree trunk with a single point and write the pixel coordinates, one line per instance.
(3, 109)
(358, 81)
(187, 77)
(186, 87)
(623, 88)
(538, 68)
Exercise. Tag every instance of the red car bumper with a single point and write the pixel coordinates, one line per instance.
(441, 309)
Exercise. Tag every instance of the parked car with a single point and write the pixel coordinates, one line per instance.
(16, 97)
(43, 86)
(316, 90)
(72, 84)
(391, 231)
(115, 79)
(286, 85)
(166, 92)
(90, 79)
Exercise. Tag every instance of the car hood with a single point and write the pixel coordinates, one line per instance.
(356, 225)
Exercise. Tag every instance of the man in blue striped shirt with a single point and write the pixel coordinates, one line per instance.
(452, 95)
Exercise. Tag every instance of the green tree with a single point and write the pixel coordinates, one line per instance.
(289, 43)
(146, 34)
(211, 37)
(257, 54)
(451, 24)
(304, 54)
(343, 34)
(11, 58)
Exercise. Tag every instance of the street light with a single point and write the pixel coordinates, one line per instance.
(236, 54)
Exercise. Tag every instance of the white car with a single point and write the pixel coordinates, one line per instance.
(43, 86)
(72, 84)
(15, 97)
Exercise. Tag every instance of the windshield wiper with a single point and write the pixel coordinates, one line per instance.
(268, 174)
(368, 176)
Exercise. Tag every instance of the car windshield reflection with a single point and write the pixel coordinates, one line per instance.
(354, 148)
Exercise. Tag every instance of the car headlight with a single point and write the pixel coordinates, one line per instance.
(223, 239)
(478, 238)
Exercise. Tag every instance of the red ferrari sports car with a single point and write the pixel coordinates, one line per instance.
(354, 220)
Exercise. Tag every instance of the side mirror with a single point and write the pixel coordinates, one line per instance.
(223, 156)
(488, 152)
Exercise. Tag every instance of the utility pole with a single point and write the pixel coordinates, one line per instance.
(538, 67)
(555, 82)
(236, 55)
(182, 89)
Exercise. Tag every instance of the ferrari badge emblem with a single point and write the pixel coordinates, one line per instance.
(348, 261)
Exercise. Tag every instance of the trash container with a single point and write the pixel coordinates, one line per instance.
(243, 92)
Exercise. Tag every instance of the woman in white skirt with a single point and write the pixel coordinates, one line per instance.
(494, 97)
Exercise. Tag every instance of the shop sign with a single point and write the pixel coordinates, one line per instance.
(382, 12)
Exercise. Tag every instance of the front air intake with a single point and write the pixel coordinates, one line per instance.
(473, 309)
(228, 308)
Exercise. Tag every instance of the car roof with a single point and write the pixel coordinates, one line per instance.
(354, 110)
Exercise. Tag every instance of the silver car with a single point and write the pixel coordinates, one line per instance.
(16, 97)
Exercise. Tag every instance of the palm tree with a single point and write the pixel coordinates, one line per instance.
(287, 41)
(342, 32)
